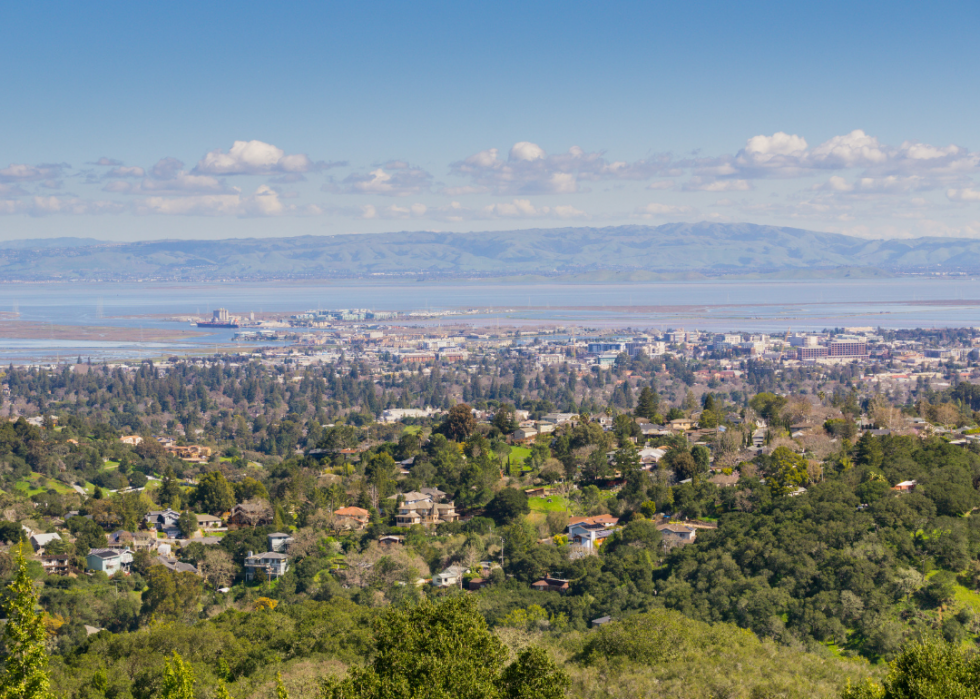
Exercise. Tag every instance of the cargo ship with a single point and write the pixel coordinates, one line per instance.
(218, 324)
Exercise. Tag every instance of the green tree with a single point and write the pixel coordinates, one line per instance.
(930, 669)
(170, 494)
(459, 423)
(647, 404)
(504, 420)
(25, 661)
(178, 679)
(787, 471)
(170, 594)
(702, 457)
(187, 523)
(445, 650)
(281, 692)
(214, 493)
(508, 505)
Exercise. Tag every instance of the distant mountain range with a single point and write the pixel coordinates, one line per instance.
(678, 250)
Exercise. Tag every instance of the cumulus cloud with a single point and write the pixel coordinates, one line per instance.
(252, 158)
(30, 173)
(394, 179)
(529, 170)
(107, 162)
(264, 202)
(167, 176)
(784, 155)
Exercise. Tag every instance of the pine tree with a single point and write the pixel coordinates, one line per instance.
(24, 674)
(178, 679)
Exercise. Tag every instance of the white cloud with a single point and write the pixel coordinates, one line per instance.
(855, 149)
(968, 194)
(30, 173)
(123, 171)
(252, 158)
(661, 184)
(399, 180)
(529, 170)
(697, 184)
(526, 151)
(264, 202)
(167, 177)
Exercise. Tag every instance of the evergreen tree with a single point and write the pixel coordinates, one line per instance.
(24, 674)
(647, 404)
(178, 679)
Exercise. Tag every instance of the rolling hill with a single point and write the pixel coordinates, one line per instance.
(710, 249)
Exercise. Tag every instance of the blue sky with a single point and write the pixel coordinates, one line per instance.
(140, 121)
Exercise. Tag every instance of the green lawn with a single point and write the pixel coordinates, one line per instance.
(518, 455)
(557, 504)
(412, 429)
(110, 465)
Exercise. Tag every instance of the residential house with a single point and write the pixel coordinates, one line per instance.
(56, 565)
(434, 493)
(134, 541)
(607, 520)
(251, 514)
(551, 584)
(40, 541)
(109, 561)
(524, 434)
(353, 517)
(266, 566)
(425, 512)
(164, 521)
(723, 480)
(682, 424)
(209, 522)
(450, 577)
(601, 621)
(131, 439)
(279, 541)
(677, 533)
(905, 486)
(192, 453)
(650, 456)
(390, 540)
(589, 535)
(175, 565)
(559, 418)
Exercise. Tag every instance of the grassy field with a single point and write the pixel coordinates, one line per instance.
(557, 504)
(35, 483)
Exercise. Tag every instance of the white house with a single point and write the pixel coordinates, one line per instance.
(265, 566)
